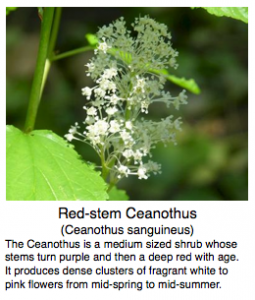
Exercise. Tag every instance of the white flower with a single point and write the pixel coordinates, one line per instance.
(110, 73)
(114, 99)
(100, 92)
(144, 107)
(91, 111)
(101, 127)
(92, 130)
(69, 137)
(95, 139)
(140, 84)
(138, 155)
(181, 99)
(154, 167)
(115, 126)
(86, 91)
(128, 153)
(91, 66)
(142, 173)
(111, 111)
(126, 137)
(112, 86)
(129, 125)
(72, 130)
(96, 131)
(123, 170)
(124, 88)
(104, 84)
(90, 120)
(102, 47)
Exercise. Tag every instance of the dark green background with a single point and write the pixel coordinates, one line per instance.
(210, 161)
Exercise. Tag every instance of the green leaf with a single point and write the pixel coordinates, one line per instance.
(10, 9)
(92, 39)
(188, 84)
(117, 195)
(43, 166)
(123, 55)
(238, 13)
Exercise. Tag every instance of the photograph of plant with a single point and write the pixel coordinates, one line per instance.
(133, 104)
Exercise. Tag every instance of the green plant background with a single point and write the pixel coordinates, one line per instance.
(210, 161)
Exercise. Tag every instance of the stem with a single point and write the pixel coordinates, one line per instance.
(112, 184)
(127, 114)
(35, 95)
(45, 75)
(52, 44)
(72, 52)
(54, 33)
(105, 171)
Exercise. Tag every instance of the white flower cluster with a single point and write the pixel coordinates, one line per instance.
(125, 70)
